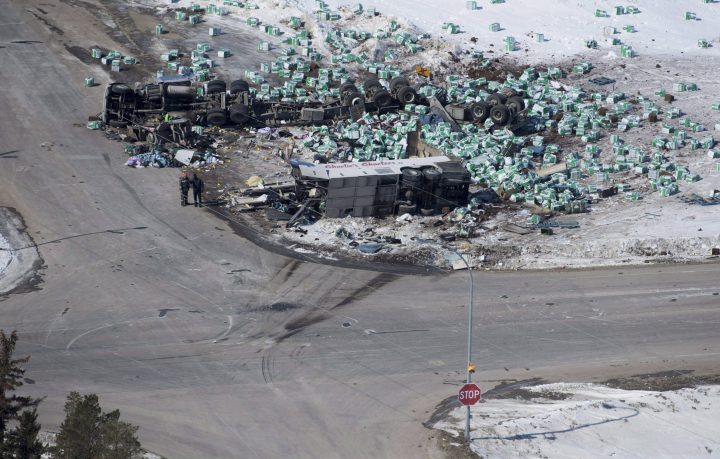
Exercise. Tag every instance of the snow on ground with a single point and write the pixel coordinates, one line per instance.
(5, 255)
(586, 420)
(19, 258)
(661, 27)
(616, 230)
(619, 233)
(48, 439)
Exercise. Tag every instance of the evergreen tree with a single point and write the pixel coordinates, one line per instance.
(119, 440)
(88, 433)
(22, 442)
(11, 374)
(79, 432)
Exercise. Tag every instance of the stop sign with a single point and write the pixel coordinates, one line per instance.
(469, 394)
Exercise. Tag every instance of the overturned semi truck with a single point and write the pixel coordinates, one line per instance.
(216, 103)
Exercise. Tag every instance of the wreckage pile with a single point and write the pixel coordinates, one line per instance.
(491, 157)
(522, 164)
(515, 166)
(140, 155)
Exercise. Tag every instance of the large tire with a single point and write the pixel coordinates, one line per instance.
(480, 111)
(495, 99)
(216, 117)
(352, 99)
(411, 176)
(153, 92)
(397, 83)
(347, 88)
(431, 174)
(411, 180)
(407, 95)
(372, 85)
(500, 115)
(382, 98)
(238, 86)
(515, 104)
(240, 114)
(215, 86)
(121, 89)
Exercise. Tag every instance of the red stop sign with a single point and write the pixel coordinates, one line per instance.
(469, 394)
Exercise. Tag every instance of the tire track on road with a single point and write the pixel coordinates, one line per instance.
(133, 194)
(266, 365)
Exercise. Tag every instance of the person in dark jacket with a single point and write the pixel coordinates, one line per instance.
(198, 186)
(184, 188)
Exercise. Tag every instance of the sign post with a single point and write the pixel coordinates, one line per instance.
(470, 366)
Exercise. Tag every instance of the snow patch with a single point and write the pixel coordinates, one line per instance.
(661, 27)
(5, 255)
(595, 421)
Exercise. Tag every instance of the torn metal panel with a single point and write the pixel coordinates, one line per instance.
(184, 156)
(517, 229)
(556, 169)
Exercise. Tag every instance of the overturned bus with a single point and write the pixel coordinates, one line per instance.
(381, 188)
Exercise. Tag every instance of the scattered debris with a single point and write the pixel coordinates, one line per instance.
(333, 98)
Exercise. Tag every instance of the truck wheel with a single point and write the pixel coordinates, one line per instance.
(381, 98)
(352, 99)
(216, 117)
(516, 104)
(407, 95)
(239, 114)
(153, 92)
(500, 115)
(238, 86)
(495, 99)
(347, 88)
(480, 111)
(372, 85)
(397, 83)
(411, 175)
(121, 89)
(215, 86)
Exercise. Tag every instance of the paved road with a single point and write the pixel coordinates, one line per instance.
(217, 348)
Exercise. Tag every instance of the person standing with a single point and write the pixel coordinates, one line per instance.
(198, 186)
(184, 188)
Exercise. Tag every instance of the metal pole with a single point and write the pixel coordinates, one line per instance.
(470, 321)
(469, 343)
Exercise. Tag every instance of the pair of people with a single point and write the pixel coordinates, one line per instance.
(198, 186)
